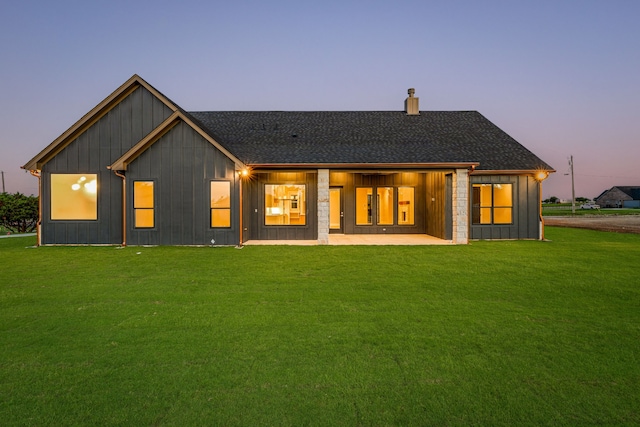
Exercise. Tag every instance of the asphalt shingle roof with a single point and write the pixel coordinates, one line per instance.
(362, 137)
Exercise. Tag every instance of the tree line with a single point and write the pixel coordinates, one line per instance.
(18, 213)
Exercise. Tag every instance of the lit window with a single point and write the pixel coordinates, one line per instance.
(143, 204)
(384, 206)
(492, 204)
(406, 205)
(74, 196)
(285, 204)
(220, 204)
(363, 205)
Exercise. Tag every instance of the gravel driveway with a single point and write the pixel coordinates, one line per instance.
(617, 223)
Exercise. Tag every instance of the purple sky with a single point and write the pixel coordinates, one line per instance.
(561, 77)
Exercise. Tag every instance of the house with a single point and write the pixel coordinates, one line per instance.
(620, 197)
(139, 170)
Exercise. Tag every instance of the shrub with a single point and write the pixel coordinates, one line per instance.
(18, 213)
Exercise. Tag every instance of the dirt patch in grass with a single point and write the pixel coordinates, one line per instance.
(617, 223)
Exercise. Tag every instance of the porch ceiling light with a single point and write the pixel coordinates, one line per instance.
(244, 173)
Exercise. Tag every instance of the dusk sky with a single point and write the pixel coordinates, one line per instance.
(561, 77)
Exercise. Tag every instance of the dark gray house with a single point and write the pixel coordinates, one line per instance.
(139, 170)
(620, 197)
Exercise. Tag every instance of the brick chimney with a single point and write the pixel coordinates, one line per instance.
(411, 104)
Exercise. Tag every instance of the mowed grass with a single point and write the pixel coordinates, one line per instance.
(492, 333)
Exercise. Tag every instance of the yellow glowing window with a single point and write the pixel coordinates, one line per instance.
(335, 213)
(74, 196)
(285, 204)
(364, 197)
(385, 205)
(492, 204)
(406, 205)
(220, 204)
(143, 204)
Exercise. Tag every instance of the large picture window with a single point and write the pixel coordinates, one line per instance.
(74, 196)
(492, 204)
(220, 204)
(143, 204)
(285, 204)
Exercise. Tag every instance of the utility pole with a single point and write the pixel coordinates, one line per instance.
(573, 191)
(2, 173)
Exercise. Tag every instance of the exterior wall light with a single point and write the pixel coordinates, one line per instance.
(541, 175)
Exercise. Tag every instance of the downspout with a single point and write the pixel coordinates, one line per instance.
(540, 208)
(241, 211)
(37, 175)
(124, 208)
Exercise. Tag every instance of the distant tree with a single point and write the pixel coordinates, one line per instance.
(18, 213)
(552, 199)
(582, 199)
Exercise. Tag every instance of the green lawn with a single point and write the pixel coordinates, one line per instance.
(492, 333)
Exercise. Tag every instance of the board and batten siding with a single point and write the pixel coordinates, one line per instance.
(182, 164)
(254, 202)
(526, 209)
(90, 153)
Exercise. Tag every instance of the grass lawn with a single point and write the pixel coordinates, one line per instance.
(492, 333)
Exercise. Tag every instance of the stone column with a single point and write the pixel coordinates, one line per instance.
(323, 206)
(461, 207)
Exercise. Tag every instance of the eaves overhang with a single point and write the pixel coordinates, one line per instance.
(421, 165)
(511, 171)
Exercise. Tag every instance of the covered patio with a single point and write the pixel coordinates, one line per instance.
(361, 239)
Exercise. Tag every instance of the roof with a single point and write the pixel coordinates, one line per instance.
(332, 138)
(631, 191)
(367, 137)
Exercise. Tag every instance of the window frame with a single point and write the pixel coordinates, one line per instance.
(477, 206)
(374, 213)
(368, 203)
(135, 209)
(54, 197)
(299, 205)
(412, 214)
(213, 209)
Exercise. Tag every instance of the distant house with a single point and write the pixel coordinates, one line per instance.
(139, 170)
(620, 197)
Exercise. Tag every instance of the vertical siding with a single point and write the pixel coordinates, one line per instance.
(181, 164)
(254, 198)
(90, 153)
(526, 207)
(436, 204)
